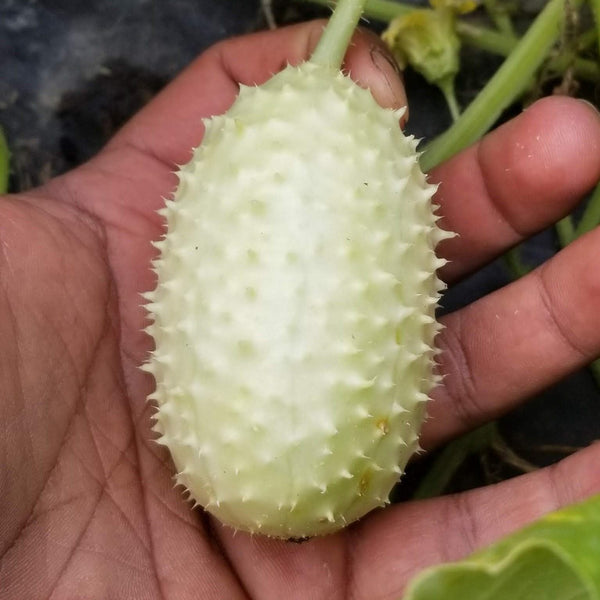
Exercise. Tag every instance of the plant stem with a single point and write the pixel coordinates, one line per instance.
(500, 17)
(446, 85)
(565, 231)
(334, 42)
(582, 68)
(485, 38)
(477, 36)
(267, 9)
(380, 10)
(504, 87)
(440, 474)
(588, 38)
(492, 41)
(591, 214)
(495, 42)
(514, 263)
(4, 163)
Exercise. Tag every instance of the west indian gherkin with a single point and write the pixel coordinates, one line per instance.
(293, 316)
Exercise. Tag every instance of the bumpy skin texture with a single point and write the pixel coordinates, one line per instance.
(294, 313)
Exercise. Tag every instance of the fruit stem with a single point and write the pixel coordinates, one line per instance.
(334, 42)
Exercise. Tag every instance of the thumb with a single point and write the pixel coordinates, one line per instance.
(371, 65)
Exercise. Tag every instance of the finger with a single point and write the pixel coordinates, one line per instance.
(450, 528)
(518, 340)
(170, 126)
(517, 180)
(370, 65)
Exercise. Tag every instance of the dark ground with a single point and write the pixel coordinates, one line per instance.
(72, 72)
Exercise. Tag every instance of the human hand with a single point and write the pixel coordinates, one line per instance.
(87, 505)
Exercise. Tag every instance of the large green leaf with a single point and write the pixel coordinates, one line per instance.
(556, 558)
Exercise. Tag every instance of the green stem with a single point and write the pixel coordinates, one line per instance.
(565, 231)
(4, 163)
(492, 41)
(446, 85)
(515, 264)
(588, 38)
(334, 42)
(591, 214)
(485, 38)
(504, 87)
(380, 10)
(582, 68)
(477, 36)
(500, 17)
(445, 466)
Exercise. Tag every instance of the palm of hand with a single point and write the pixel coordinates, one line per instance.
(87, 497)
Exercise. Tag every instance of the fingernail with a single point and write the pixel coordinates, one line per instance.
(392, 76)
(383, 61)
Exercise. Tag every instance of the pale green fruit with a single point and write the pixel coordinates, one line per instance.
(294, 313)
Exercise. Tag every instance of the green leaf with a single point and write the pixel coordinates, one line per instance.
(556, 558)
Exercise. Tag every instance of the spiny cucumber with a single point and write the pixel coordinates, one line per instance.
(293, 316)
